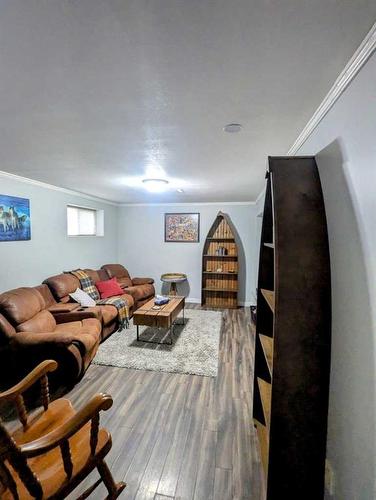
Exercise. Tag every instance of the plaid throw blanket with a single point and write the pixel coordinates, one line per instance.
(89, 287)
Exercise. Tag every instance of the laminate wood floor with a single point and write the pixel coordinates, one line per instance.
(178, 436)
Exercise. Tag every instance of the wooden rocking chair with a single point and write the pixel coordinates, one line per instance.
(55, 449)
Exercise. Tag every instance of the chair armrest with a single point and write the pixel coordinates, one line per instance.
(142, 281)
(54, 438)
(43, 368)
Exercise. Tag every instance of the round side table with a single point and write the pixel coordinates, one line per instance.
(173, 279)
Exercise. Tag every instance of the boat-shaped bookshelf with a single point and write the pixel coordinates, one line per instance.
(220, 265)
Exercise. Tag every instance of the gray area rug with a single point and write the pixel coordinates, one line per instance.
(194, 350)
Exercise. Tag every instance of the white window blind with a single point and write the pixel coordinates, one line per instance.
(81, 221)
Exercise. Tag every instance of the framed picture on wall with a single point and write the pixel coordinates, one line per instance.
(182, 228)
(14, 218)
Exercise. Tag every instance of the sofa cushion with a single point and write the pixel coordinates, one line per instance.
(20, 304)
(92, 274)
(116, 270)
(141, 292)
(108, 288)
(128, 299)
(97, 275)
(47, 296)
(62, 285)
(86, 332)
(90, 326)
(109, 313)
(124, 282)
(42, 322)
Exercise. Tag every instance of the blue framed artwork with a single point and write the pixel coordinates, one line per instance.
(14, 218)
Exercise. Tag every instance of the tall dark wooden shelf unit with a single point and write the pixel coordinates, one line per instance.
(220, 265)
(292, 351)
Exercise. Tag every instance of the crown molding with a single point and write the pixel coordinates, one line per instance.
(352, 68)
(52, 187)
(188, 204)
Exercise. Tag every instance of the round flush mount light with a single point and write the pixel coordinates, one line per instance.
(180, 190)
(232, 128)
(155, 185)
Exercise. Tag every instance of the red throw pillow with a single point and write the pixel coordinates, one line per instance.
(109, 288)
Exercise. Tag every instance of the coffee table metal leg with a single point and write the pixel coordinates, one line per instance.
(138, 337)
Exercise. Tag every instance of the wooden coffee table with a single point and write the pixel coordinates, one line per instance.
(165, 317)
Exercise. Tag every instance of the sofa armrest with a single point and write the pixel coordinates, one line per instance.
(79, 314)
(62, 307)
(29, 339)
(142, 281)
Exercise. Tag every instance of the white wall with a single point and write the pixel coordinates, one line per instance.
(50, 251)
(143, 251)
(345, 145)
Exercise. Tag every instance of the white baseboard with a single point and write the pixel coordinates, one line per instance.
(192, 300)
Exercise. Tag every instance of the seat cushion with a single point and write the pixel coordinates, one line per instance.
(141, 292)
(128, 299)
(87, 332)
(50, 464)
(109, 313)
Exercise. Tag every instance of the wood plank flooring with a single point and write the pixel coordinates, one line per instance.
(178, 436)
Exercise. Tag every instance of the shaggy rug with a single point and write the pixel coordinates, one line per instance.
(194, 349)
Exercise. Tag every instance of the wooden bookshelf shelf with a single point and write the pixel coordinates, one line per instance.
(269, 297)
(220, 272)
(266, 398)
(263, 437)
(292, 348)
(232, 290)
(221, 256)
(221, 239)
(267, 346)
(215, 272)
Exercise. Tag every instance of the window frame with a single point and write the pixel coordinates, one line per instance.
(98, 217)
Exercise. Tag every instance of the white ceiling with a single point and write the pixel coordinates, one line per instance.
(97, 94)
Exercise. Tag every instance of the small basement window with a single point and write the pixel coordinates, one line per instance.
(84, 221)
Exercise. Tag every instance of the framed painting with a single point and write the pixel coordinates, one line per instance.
(182, 228)
(14, 218)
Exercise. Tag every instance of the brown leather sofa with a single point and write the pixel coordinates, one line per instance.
(29, 333)
(141, 289)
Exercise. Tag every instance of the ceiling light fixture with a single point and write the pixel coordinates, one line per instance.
(232, 128)
(155, 185)
(180, 190)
